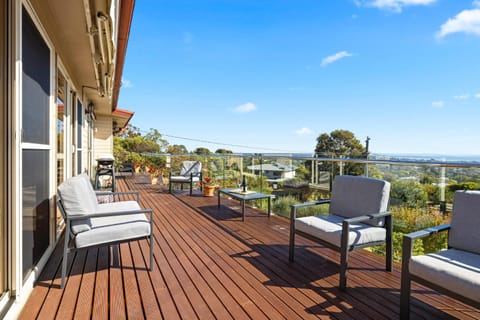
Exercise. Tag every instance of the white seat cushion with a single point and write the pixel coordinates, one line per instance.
(329, 228)
(455, 270)
(183, 179)
(114, 228)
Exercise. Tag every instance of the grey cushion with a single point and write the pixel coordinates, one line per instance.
(455, 270)
(329, 229)
(191, 167)
(353, 196)
(91, 192)
(464, 233)
(183, 179)
(115, 228)
(77, 199)
(76, 196)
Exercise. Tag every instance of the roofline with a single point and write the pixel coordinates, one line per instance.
(125, 23)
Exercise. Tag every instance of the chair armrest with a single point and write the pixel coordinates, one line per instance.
(108, 193)
(427, 232)
(110, 214)
(408, 239)
(294, 207)
(367, 217)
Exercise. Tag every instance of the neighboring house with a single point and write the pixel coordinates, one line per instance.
(275, 172)
(61, 64)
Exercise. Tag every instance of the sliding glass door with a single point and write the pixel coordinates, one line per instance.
(3, 145)
(36, 91)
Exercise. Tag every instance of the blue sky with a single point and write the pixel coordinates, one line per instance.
(274, 74)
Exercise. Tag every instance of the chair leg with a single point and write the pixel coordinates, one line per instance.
(65, 256)
(389, 244)
(405, 288)
(291, 251)
(191, 186)
(343, 268)
(344, 257)
(405, 284)
(151, 251)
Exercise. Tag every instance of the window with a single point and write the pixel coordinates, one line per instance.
(79, 136)
(35, 144)
(3, 145)
(60, 145)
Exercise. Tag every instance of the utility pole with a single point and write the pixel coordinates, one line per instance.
(367, 142)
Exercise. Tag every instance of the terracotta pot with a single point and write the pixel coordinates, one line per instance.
(209, 191)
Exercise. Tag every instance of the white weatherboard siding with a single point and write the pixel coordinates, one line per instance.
(103, 137)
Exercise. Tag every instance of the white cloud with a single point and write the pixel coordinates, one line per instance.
(126, 83)
(438, 104)
(303, 131)
(334, 57)
(462, 97)
(477, 95)
(467, 21)
(246, 107)
(393, 5)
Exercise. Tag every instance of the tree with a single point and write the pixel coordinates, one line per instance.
(202, 150)
(223, 151)
(408, 193)
(155, 136)
(177, 149)
(341, 144)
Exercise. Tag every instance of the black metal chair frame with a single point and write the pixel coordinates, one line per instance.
(190, 182)
(407, 278)
(69, 235)
(344, 249)
(126, 167)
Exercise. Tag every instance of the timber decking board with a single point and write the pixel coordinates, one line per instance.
(209, 264)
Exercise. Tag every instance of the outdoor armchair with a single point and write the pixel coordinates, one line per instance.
(358, 218)
(91, 224)
(455, 271)
(190, 173)
(126, 167)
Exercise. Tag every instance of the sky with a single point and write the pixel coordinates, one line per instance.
(272, 75)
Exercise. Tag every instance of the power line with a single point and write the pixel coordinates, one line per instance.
(222, 143)
(225, 144)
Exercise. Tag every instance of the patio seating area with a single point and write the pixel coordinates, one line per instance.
(209, 264)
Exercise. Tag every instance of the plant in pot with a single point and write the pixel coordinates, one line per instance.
(154, 172)
(209, 185)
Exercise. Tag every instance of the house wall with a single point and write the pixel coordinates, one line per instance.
(28, 182)
(103, 137)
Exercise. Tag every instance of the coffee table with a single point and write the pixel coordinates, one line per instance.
(237, 194)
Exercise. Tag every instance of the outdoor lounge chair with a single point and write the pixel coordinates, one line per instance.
(191, 172)
(455, 271)
(358, 218)
(90, 224)
(126, 167)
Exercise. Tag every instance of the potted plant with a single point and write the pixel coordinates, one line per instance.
(209, 185)
(154, 172)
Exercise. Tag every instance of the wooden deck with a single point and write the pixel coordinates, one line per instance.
(211, 265)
